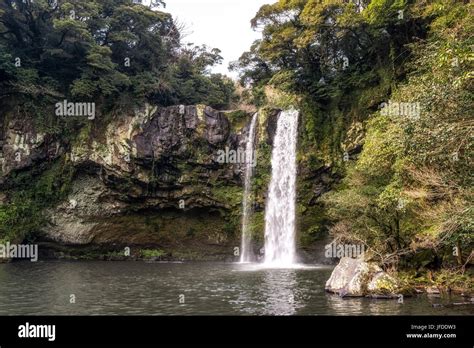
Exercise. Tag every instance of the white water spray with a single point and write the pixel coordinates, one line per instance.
(246, 252)
(280, 249)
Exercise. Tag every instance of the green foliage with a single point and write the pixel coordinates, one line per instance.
(237, 119)
(229, 195)
(383, 145)
(151, 253)
(305, 44)
(103, 49)
(23, 217)
(446, 280)
(411, 189)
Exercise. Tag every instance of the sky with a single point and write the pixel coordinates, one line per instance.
(223, 24)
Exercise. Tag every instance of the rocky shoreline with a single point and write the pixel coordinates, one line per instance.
(361, 278)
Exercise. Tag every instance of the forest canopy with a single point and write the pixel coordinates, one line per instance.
(107, 50)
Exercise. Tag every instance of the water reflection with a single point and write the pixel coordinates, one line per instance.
(279, 289)
(267, 291)
(344, 306)
(131, 288)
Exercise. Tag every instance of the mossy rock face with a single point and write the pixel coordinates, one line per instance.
(145, 179)
(130, 181)
(23, 144)
(382, 284)
(238, 119)
(152, 254)
(196, 232)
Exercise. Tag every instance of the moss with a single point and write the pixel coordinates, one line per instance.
(31, 193)
(232, 197)
(312, 225)
(386, 285)
(238, 119)
(82, 141)
(152, 253)
(262, 173)
(201, 129)
(201, 255)
(228, 195)
(278, 99)
(447, 280)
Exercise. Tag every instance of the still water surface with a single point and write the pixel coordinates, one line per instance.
(135, 288)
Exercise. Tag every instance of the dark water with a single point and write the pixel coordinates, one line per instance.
(132, 288)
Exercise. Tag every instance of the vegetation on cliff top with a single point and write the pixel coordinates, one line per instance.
(111, 52)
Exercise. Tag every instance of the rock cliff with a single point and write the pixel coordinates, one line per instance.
(148, 179)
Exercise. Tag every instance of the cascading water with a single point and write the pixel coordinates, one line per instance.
(246, 253)
(280, 249)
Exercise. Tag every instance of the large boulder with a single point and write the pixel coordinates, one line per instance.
(357, 277)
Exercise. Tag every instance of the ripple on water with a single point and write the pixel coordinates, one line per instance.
(133, 288)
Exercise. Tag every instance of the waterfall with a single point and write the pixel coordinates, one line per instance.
(280, 249)
(246, 252)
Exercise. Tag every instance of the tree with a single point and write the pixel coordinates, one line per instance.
(96, 50)
(307, 41)
(411, 189)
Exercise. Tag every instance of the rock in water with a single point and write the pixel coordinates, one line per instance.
(342, 276)
(356, 277)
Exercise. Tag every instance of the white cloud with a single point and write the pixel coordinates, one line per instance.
(223, 24)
